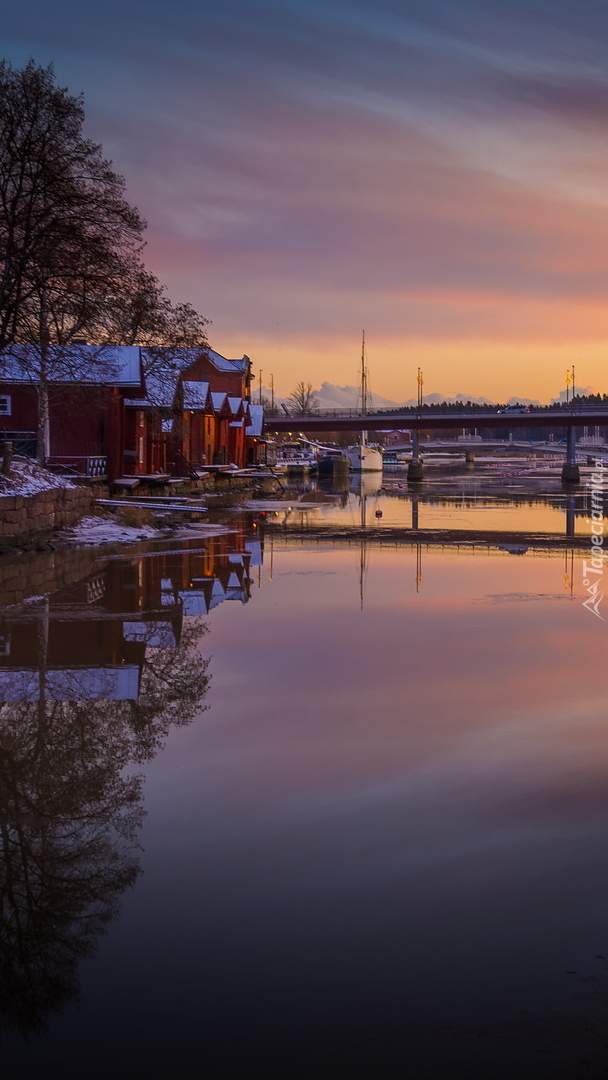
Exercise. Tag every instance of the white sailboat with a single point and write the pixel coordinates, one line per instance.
(361, 457)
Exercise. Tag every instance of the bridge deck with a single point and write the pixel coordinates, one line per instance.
(585, 416)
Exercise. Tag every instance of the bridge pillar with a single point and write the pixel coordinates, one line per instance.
(570, 470)
(414, 469)
(469, 457)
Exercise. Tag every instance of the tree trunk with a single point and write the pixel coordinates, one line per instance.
(7, 458)
(42, 434)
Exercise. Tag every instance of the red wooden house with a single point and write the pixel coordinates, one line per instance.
(87, 390)
(122, 411)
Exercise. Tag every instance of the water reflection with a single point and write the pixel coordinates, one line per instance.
(367, 830)
(491, 499)
(92, 678)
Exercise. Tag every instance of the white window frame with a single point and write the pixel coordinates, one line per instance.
(5, 399)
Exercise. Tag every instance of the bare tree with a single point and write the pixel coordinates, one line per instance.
(68, 237)
(304, 399)
(142, 314)
(70, 816)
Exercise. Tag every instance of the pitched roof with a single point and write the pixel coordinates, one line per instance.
(185, 357)
(160, 390)
(112, 365)
(223, 364)
(196, 395)
(236, 406)
(256, 413)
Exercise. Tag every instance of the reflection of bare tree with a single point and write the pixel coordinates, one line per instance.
(69, 819)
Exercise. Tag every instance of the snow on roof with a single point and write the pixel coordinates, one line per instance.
(184, 357)
(236, 405)
(222, 364)
(257, 420)
(218, 398)
(195, 395)
(113, 365)
(160, 391)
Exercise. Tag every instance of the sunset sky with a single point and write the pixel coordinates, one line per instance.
(431, 170)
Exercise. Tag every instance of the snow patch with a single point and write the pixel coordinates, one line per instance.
(98, 530)
(27, 478)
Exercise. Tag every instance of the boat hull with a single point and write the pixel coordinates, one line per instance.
(364, 459)
(333, 465)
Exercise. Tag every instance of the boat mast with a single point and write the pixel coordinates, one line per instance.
(363, 387)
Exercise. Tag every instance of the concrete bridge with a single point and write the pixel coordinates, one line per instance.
(569, 418)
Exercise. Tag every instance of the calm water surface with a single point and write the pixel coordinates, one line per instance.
(289, 808)
(511, 495)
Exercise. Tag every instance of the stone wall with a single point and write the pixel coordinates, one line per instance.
(25, 516)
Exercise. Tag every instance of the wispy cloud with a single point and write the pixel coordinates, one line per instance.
(435, 171)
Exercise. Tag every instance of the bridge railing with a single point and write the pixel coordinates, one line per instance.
(439, 410)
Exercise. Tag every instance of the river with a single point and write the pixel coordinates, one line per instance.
(307, 806)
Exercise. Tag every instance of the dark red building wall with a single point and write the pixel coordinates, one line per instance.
(227, 382)
(77, 422)
(24, 408)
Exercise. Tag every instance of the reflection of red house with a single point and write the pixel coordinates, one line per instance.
(88, 640)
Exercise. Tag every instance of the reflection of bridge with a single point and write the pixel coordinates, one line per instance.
(568, 419)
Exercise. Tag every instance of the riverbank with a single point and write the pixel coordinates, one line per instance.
(37, 506)
(34, 503)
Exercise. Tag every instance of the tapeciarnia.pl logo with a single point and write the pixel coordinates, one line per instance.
(593, 571)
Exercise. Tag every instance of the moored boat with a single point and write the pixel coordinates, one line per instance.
(332, 462)
(296, 457)
(362, 457)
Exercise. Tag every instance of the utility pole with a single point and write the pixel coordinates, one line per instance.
(420, 381)
(272, 393)
(260, 386)
(573, 385)
(568, 377)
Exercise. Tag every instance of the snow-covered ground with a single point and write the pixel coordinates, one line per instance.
(101, 530)
(27, 478)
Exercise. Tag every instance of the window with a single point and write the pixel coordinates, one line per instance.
(5, 404)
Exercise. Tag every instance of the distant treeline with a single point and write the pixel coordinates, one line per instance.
(472, 406)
